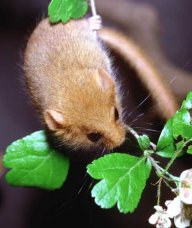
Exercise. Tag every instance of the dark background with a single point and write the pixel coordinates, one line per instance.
(22, 207)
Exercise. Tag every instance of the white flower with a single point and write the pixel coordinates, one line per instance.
(160, 218)
(185, 187)
(181, 222)
(175, 210)
(174, 207)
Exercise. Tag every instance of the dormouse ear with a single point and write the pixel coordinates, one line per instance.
(105, 79)
(53, 119)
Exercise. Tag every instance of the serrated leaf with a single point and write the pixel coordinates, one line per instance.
(144, 142)
(177, 131)
(64, 10)
(34, 163)
(123, 179)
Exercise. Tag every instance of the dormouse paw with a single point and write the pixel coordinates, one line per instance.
(95, 22)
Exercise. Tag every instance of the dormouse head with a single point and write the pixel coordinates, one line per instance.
(91, 115)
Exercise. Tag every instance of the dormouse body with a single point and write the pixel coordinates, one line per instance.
(69, 78)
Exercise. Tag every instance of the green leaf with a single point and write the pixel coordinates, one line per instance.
(34, 163)
(187, 103)
(123, 179)
(64, 10)
(181, 121)
(144, 142)
(189, 151)
(187, 131)
(165, 144)
(167, 152)
(177, 131)
(166, 136)
(80, 8)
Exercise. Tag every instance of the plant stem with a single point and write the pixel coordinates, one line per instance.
(155, 165)
(161, 173)
(159, 170)
(93, 7)
(136, 135)
(159, 192)
(174, 157)
(166, 170)
(168, 185)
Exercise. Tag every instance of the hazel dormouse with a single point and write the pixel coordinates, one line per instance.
(70, 79)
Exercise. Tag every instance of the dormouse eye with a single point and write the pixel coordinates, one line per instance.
(94, 136)
(116, 114)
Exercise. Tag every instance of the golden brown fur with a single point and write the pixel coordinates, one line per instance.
(66, 72)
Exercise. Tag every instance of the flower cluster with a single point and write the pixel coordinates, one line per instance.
(179, 209)
(160, 218)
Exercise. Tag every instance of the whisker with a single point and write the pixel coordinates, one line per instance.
(103, 152)
(136, 118)
(59, 208)
(148, 96)
(172, 80)
(186, 64)
(83, 185)
(139, 105)
(147, 129)
(90, 185)
(153, 124)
